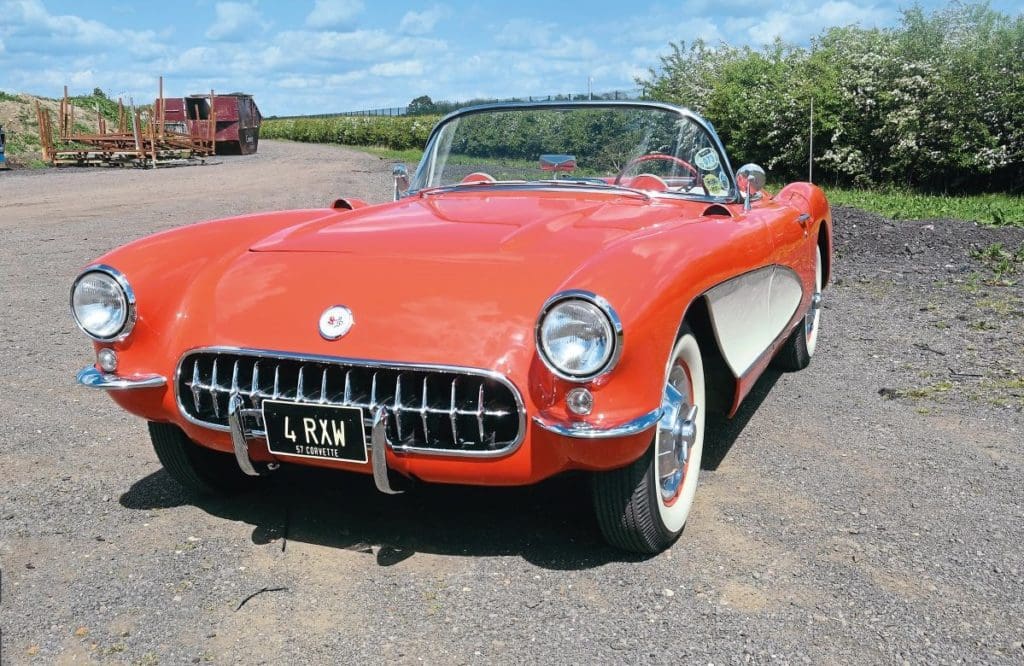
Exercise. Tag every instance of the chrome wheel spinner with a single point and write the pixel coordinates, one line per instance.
(677, 432)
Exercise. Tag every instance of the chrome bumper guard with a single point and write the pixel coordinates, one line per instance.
(240, 437)
(94, 378)
(636, 426)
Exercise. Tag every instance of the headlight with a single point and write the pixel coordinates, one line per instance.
(103, 304)
(579, 335)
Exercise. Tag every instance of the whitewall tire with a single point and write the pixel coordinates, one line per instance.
(643, 507)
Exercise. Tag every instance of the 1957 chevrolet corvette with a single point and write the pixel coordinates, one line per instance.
(558, 286)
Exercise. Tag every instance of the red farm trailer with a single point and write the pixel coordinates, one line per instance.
(236, 117)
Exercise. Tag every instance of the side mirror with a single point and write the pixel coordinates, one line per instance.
(401, 175)
(751, 179)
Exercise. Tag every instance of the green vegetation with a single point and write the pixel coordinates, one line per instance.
(1003, 263)
(410, 156)
(7, 97)
(97, 100)
(933, 103)
(393, 132)
(904, 204)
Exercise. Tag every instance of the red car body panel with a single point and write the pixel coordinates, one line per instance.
(459, 278)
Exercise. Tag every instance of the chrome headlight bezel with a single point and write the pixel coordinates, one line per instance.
(614, 326)
(127, 294)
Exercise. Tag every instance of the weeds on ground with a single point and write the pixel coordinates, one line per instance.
(1002, 262)
(1000, 210)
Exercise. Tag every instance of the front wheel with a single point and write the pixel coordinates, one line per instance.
(799, 347)
(644, 506)
(199, 470)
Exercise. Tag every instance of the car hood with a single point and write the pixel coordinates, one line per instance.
(434, 279)
(499, 226)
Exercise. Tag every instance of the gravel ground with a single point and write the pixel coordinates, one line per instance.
(865, 510)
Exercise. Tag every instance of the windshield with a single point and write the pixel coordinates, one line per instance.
(647, 148)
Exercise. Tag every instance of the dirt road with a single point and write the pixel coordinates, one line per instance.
(833, 523)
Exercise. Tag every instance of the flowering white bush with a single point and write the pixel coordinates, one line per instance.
(936, 102)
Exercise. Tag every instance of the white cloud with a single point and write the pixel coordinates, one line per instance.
(334, 13)
(402, 68)
(421, 23)
(311, 49)
(797, 25)
(524, 32)
(29, 25)
(844, 13)
(235, 21)
(544, 38)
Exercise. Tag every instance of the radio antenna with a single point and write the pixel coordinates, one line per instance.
(810, 148)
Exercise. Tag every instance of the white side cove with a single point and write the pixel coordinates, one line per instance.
(749, 312)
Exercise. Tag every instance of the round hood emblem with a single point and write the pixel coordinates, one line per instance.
(336, 322)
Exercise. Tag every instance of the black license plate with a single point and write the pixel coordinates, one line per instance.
(315, 431)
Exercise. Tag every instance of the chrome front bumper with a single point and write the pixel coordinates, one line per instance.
(635, 426)
(94, 378)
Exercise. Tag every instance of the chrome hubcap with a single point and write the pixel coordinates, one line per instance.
(677, 432)
(811, 319)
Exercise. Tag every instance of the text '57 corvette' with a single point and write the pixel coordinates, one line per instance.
(558, 286)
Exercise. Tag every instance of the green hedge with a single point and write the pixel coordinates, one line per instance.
(934, 103)
(395, 132)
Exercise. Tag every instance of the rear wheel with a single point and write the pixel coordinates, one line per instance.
(644, 506)
(201, 471)
(798, 349)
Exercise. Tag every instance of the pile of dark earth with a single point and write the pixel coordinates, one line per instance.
(944, 306)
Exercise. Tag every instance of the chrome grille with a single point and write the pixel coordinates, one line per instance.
(433, 409)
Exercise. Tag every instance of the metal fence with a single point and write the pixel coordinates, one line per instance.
(446, 106)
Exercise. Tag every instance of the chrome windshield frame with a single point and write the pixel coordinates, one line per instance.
(428, 160)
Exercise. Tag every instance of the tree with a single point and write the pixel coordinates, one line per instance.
(420, 105)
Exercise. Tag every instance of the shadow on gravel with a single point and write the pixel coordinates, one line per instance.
(549, 525)
(720, 433)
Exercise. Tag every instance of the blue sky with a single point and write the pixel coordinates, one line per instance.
(316, 56)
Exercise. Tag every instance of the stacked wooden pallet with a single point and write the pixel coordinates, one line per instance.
(142, 137)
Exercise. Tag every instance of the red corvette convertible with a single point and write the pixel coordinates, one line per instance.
(558, 286)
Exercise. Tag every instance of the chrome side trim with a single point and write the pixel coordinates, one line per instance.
(129, 297)
(94, 378)
(378, 452)
(238, 440)
(636, 426)
(609, 312)
(393, 365)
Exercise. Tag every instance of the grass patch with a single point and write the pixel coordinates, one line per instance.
(8, 97)
(410, 156)
(929, 392)
(1001, 210)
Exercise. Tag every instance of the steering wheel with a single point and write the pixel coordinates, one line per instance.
(656, 156)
